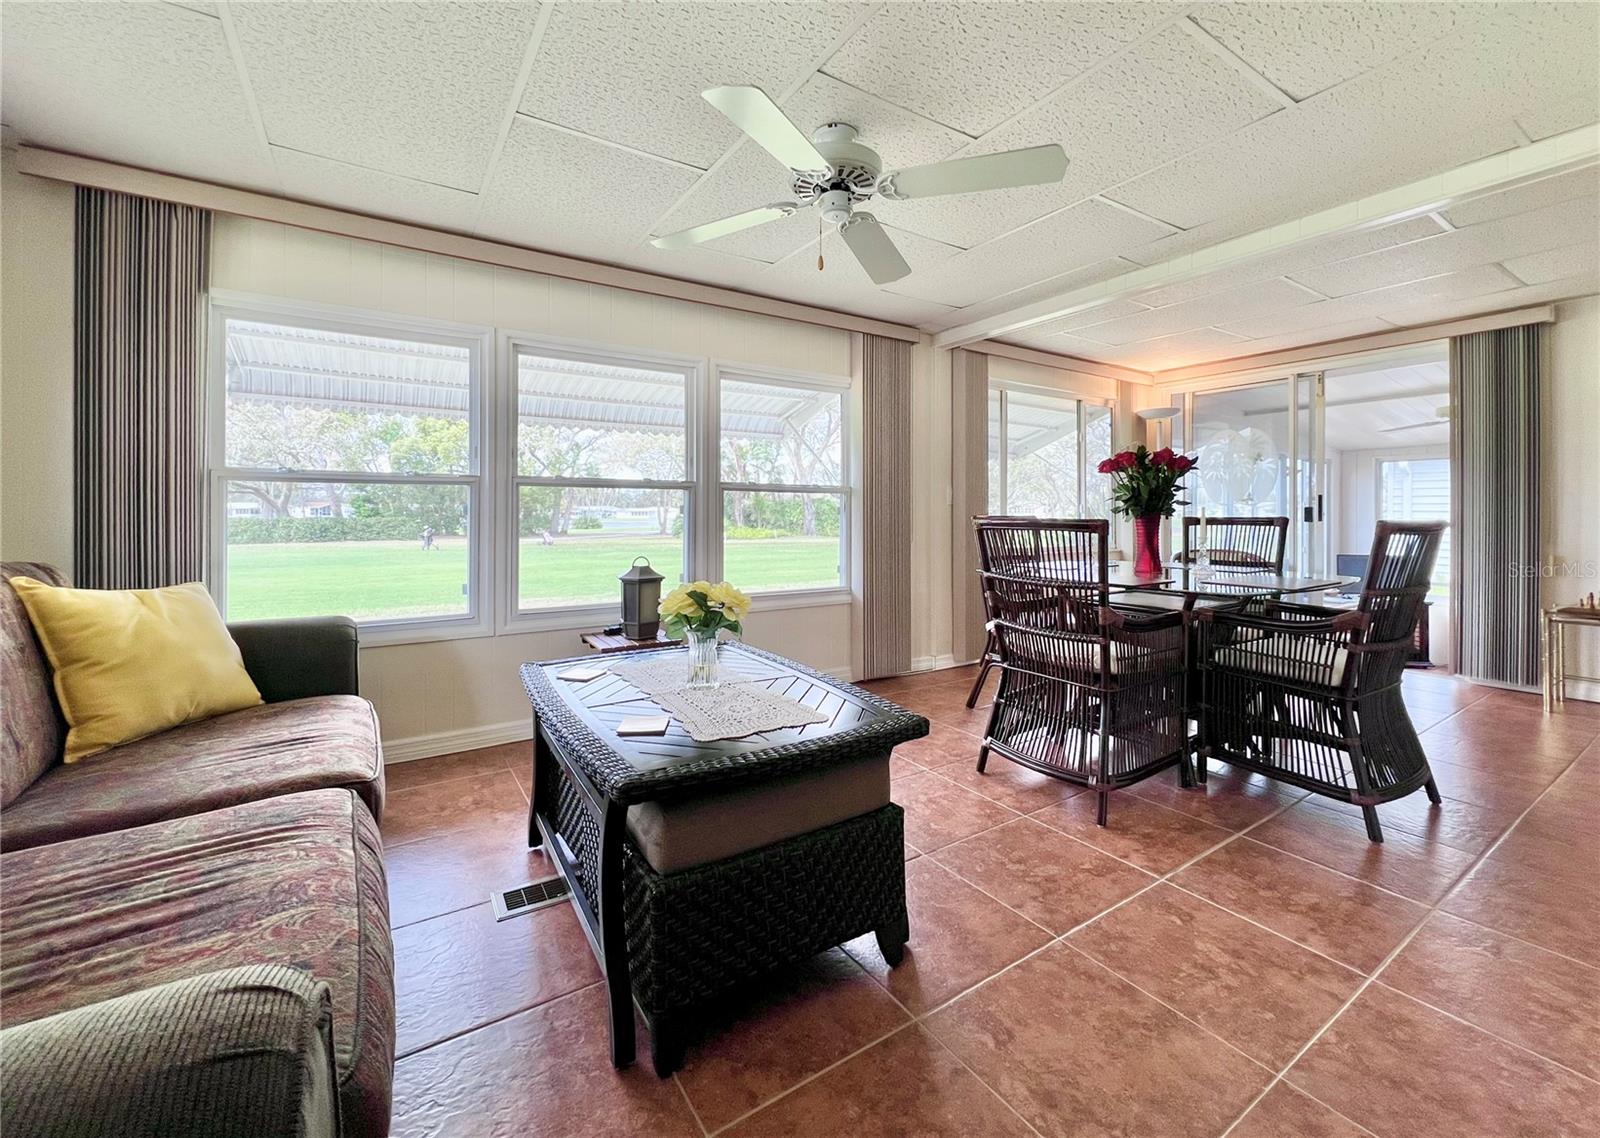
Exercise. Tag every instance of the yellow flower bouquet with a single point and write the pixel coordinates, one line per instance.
(704, 609)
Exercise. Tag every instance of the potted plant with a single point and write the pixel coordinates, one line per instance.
(696, 613)
(1146, 490)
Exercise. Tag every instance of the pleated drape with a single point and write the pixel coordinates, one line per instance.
(1494, 454)
(139, 376)
(886, 505)
(969, 482)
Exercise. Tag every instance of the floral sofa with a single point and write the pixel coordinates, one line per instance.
(194, 931)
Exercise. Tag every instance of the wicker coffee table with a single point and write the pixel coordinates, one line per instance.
(670, 941)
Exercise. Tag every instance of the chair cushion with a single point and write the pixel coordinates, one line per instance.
(32, 731)
(294, 880)
(689, 832)
(130, 663)
(261, 752)
(1272, 656)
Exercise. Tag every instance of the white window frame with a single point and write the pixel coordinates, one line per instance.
(712, 489)
(1004, 387)
(553, 618)
(482, 412)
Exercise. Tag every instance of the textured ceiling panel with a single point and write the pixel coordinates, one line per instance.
(148, 84)
(1306, 255)
(1190, 347)
(971, 66)
(326, 182)
(702, 265)
(839, 266)
(837, 291)
(1309, 318)
(1161, 99)
(633, 73)
(1429, 310)
(418, 90)
(1224, 307)
(1099, 314)
(1046, 289)
(901, 137)
(556, 191)
(1391, 302)
(1052, 246)
(1556, 264)
(1557, 118)
(1534, 195)
(1496, 240)
(1432, 109)
(1317, 334)
(750, 178)
(1306, 48)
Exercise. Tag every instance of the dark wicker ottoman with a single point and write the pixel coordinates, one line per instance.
(669, 941)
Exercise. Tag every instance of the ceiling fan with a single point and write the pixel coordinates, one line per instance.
(1441, 415)
(836, 173)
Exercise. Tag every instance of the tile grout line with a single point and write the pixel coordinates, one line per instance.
(1372, 977)
(689, 1102)
(454, 1035)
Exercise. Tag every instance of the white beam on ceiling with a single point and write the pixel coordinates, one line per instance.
(1554, 155)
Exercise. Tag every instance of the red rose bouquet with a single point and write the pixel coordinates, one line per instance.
(1147, 481)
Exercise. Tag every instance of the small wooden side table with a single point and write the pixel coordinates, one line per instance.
(608, 642)
(1554, 624)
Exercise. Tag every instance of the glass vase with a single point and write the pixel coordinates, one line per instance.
(702, 659)
(1147, 545)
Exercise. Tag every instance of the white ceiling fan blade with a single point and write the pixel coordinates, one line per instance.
(711, 230)
(1033, 166)
(872, 247)
(758, 116)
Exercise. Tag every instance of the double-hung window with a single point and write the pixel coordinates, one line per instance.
(784, 490)
(1044, 449)
(350, 476)
(603, 472)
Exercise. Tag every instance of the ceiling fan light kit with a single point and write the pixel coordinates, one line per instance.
(836, 173)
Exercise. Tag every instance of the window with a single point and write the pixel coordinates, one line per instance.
(784, 483)
(1043, 453)
(349, 480)
(602, 474)
(1418, 490)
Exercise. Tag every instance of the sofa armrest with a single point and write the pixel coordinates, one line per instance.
(242, 1051)
(299, 657)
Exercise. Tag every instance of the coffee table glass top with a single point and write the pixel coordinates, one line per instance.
(639, 767)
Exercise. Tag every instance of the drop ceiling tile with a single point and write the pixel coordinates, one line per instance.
(1222, 308)
(1305, 48)
(1432, 109)
(1542, 122)
(1099, 314)
(1194, 346)
(1315, 334)
(321, 180)
(1307, 254)
(1441, 292)
(1050, 247)
(1525, 198)
(1046, 289)
(1556, 264)
(152, 85)
(1309, 319)
(557, 191)
(971, 66)
(702, 265)
(750, 178)
(840, 293)
(1497, 240)
(1160, 99)
(633, 73)
(901, 137)
(1429, 311)
(418, 90)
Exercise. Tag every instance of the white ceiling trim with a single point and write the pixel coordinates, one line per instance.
(1557, 154)
(1217, 48)
(1065, 363)
(230, 36)
(530, 52)
(82, 171)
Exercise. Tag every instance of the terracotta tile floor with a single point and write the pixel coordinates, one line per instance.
(1230, 960)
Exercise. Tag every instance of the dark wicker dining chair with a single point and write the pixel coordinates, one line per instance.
(991, 645)
(1311, 696)
(1087, 694)
(1239, 543)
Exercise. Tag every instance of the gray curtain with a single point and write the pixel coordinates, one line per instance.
(886, 505)
(969, 482)
(139, 374)
(1494, 454)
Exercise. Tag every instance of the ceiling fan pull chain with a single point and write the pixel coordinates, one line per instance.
(819, 242)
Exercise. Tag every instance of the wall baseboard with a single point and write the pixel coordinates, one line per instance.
(449, 742)
(932, 663)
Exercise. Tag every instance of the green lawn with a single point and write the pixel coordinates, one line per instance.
(369, 579)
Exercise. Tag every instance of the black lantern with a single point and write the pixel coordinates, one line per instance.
(641, 600)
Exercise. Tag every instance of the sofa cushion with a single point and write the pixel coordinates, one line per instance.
(677, 835)
(260, 752)
(31, 728)
(296, 880)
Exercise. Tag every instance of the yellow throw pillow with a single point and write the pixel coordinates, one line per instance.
(132, 662)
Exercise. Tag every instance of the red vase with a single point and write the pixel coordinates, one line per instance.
(1147, 545)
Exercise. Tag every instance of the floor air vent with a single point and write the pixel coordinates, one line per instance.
(510, 903)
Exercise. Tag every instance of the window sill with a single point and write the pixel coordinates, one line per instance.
(592, 618)
(783, 600)
(384, 635)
